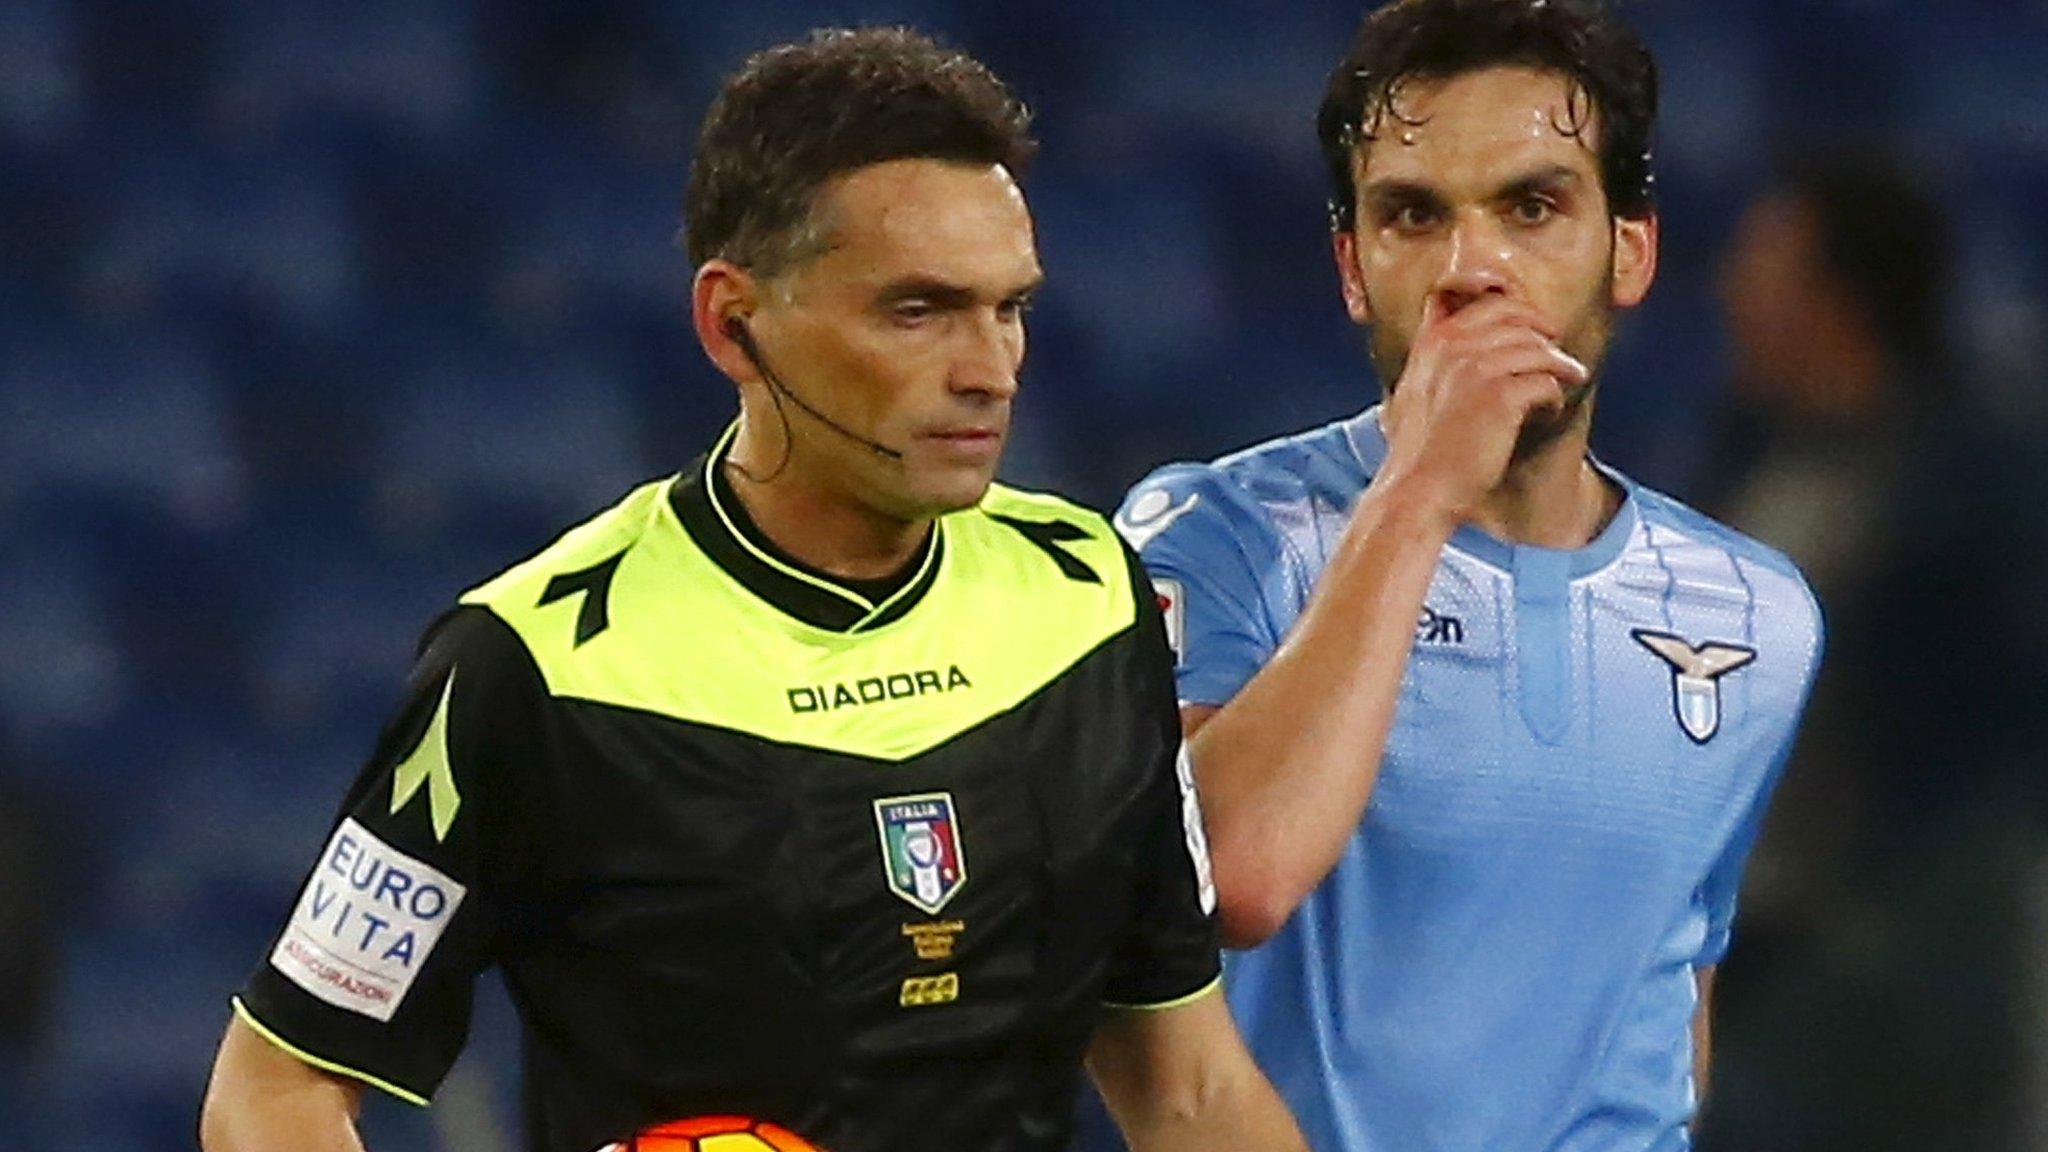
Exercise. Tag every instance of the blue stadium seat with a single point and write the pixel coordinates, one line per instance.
(405, 67)
(131, 418)
(62, 670)
(1998, 111)
(682, 400)
(42, 86)
(141, 1015)
(334, 620)
(430, 229)
(1131, 256)
(303, 405)
(270, 230)
(590, 228)
(497, 433)
(142, 1009)
(227, 819)
(722, 38)
(1189, 76)
(1710, 66)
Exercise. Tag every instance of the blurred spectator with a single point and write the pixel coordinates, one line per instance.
(27, 949)
(1873, 999)
(27, 928)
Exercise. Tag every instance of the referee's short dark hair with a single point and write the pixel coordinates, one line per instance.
(797, 115)
(1609, 70)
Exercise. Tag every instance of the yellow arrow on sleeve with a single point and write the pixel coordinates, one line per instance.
(428, 765)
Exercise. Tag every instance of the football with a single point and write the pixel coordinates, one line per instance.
(715, 1134)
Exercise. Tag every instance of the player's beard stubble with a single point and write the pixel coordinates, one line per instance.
(1586, 340)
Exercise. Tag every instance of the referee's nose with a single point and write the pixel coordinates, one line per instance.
(989, 357)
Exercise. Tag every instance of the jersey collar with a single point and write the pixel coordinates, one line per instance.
(1369, 442)
(715, 520)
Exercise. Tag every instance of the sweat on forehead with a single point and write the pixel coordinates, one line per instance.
(1492, 118)
(1517, 101)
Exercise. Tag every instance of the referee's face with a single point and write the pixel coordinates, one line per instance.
(907, 331)
(1488, 185)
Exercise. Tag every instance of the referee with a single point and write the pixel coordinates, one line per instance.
(824, 782)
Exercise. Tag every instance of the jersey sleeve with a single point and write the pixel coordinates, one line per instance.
(1205, 552)
(1170, 951)
(371, 975)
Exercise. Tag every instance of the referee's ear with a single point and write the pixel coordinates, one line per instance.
(721, 293)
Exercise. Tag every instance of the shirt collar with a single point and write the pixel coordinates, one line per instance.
(716, 521)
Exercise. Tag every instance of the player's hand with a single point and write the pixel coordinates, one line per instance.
(1473, 377)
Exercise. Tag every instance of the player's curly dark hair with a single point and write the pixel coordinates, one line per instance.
(797, 115)
(1612, 78)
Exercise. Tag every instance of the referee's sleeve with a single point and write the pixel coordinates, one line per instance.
(371, 975)
(1170, 952)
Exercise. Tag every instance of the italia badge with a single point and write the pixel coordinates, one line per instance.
(921, 852)
(1696, 678)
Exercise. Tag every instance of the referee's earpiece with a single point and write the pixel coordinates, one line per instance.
(736, 330)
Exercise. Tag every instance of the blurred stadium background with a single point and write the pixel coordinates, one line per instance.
(313, 314)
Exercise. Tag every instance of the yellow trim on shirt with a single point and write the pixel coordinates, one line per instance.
(1205, 990)
(249, 1018)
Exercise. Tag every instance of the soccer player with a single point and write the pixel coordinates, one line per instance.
(1484, 729)
(823, 782)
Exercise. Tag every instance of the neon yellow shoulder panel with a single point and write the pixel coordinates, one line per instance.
(684, 639)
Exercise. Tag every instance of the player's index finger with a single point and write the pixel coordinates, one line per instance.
(1503, 311)
(1436, 308)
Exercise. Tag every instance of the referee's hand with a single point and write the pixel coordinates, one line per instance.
(1479, 368)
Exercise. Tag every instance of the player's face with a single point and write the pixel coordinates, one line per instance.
(1475, 190)
(908, 329)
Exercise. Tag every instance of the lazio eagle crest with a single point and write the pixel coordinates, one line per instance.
(1696, 678)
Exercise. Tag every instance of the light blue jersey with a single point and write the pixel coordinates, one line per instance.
(1503, 959)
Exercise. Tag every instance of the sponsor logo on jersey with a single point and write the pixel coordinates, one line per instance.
(1150, 514)
(876, 689)
(1439, 628)
(1696, 678)
(1173, 605)
(365, 924)
(921, 852)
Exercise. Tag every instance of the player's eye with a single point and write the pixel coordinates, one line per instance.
(1410, 217)
(1013, 309)
(1533, 210)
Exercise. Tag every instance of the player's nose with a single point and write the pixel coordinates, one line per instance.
(1475, 265)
